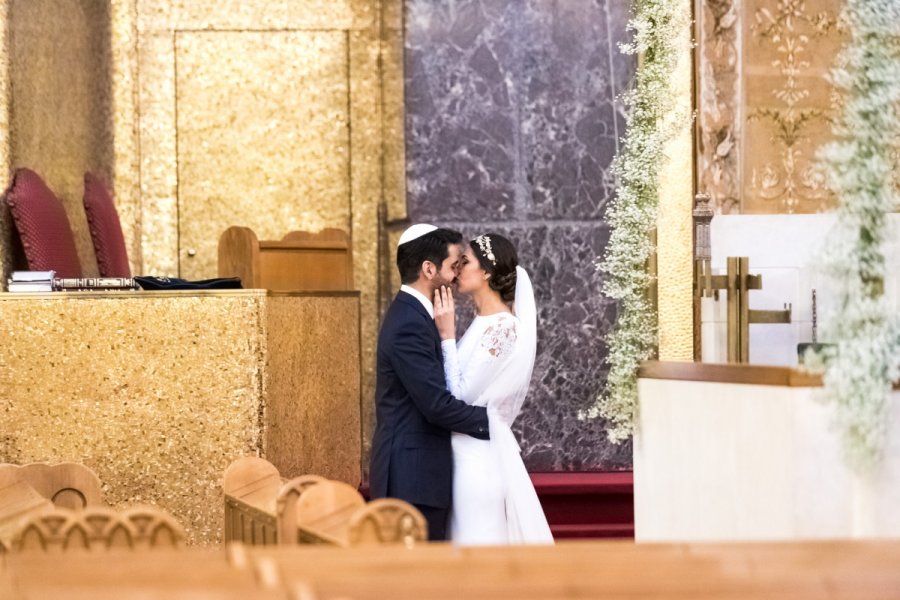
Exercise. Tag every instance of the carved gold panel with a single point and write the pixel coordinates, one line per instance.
(262, 137)
(764, 103)
(789, 45)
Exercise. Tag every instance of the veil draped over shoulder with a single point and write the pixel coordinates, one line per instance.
(526, 520)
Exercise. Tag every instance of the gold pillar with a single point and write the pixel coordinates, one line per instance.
(674, 225)
(6, 257)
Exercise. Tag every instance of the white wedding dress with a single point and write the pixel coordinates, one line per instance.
(494, 501)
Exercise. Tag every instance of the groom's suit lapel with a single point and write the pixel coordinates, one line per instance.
(411, 301)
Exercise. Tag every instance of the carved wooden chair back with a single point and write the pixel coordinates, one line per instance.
(95, 528)
(324, 510)
(286, 506)
(387, 521)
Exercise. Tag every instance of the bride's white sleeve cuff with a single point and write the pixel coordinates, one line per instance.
(451, 368)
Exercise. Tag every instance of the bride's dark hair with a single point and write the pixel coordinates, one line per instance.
(497, 256)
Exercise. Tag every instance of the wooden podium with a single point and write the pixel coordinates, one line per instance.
(301, 261)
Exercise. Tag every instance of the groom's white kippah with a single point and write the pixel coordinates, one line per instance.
(415, 232)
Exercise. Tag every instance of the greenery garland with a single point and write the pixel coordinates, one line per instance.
(861, 166)
(651, 122)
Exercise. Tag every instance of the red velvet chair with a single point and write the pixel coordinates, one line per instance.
(42, 224)
(106, 229)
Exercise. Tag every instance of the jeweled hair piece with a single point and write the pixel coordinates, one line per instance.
(484, 244)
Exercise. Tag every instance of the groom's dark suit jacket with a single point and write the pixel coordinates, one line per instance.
(411, 455)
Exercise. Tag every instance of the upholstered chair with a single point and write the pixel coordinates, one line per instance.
(106, 229)
(42, 224)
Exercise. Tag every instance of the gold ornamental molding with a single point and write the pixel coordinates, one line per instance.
(792, 32)
(764, 103)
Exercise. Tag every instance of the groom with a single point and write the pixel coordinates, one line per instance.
(411, 454)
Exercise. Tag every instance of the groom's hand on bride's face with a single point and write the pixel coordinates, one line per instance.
(445, 313)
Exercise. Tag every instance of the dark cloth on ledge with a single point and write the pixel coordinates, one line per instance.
(172, 283)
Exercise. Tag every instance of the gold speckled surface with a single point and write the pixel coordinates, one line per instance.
(59, 122)
(182, 183)
(267, 152)
(366, 141)
(5, 217)
(674, 234)
(313, 373)
(158, 174)
(139, 140)
(394, 116)
(163, 15)
(126, 143)
(158, 394)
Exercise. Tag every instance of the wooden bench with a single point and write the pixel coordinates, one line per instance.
(299, 261)
(261, 509)
(815, 570)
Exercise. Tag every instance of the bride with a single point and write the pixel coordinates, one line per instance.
(494, 501)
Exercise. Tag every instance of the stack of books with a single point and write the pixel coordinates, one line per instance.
(44, 281)
(31, 281)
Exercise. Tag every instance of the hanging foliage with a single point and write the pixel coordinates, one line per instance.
(862, 166)
(651, 122)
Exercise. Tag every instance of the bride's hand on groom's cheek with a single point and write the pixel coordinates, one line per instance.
(445, 313)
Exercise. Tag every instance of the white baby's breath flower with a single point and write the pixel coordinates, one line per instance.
(859, 167)
(651, 121)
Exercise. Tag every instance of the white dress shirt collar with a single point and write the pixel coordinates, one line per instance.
(420, 297)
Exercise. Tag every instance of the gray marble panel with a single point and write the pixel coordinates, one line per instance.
(568, 109)
(512, 123)
(462, 129)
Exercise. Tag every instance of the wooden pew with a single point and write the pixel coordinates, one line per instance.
(251, 489)
(591, 570)
(181, 574)
(815, 570)
(260, 509)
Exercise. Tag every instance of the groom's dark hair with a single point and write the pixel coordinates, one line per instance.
(432, 246)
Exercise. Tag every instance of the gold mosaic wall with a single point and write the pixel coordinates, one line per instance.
(673, 231)
(58, 97)
(261, 141)
(318, 429)
(764, 102)
(108, 380)
(277, 114)
(274, 114)
(6, 225)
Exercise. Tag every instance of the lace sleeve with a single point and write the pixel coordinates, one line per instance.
(494, 349)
